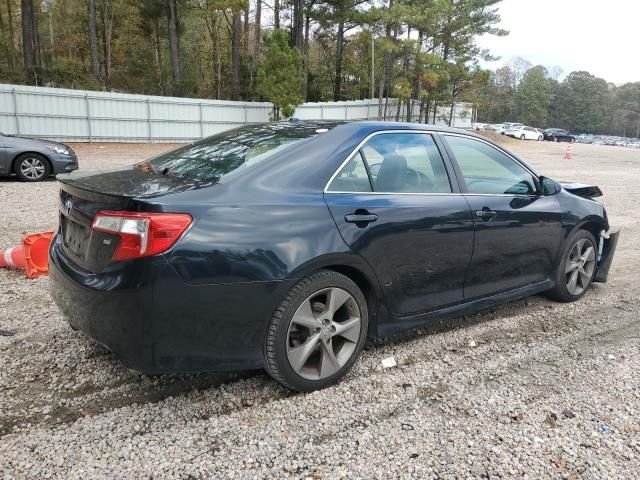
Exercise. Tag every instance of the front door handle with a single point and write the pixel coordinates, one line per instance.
(486, 214)
(361, 218)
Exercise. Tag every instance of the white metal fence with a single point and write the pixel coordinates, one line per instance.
(80, 115)
(368, 110)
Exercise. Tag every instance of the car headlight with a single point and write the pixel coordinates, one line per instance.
(58, 149)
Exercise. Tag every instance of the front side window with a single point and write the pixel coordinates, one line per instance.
(487, 170)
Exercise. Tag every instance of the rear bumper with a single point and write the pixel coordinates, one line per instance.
(156, 323)
(606, 257)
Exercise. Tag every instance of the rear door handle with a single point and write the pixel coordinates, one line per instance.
(486, 214)
(363, 218)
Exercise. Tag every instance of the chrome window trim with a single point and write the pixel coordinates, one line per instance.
(331, 192)
(428, 132)
(360, 145)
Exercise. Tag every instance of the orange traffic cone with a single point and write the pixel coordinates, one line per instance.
(12, 257)
(567, 154)
(32, 255)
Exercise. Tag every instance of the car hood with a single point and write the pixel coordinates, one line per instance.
(582, 190)
(49, 142)
(31, 141)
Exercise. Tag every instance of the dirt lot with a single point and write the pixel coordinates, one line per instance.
(533, 389)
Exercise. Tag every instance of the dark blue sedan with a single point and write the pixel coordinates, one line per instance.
(286, 245)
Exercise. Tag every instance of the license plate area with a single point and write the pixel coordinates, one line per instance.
(75, 236)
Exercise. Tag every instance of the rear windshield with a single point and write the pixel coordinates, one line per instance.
(213, 157)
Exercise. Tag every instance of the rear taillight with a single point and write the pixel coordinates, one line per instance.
(141, 234)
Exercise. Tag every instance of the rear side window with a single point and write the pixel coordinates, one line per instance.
(352, 177)
(397, 163)
(487, 170)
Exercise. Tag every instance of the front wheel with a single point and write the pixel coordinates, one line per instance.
(32, 167)
(576, 268)
(540, 138)
(522, 137)
(555, 139)
(317, 332)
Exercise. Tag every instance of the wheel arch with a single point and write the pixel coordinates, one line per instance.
(30, 152)
(357, 270)
(593, 224)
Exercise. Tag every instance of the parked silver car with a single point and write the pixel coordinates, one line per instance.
(33, 160)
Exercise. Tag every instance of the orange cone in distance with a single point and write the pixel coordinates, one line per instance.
(32, 255)
(567, 154)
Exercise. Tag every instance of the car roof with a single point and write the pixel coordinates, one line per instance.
(376, 125)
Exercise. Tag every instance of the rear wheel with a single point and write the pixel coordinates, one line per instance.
(522, 137)
(31, 167)
(317, 332)
(555, 139)
(576, 268)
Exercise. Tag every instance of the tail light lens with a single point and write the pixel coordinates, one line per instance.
(141, 234)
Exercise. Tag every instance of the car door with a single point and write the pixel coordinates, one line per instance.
(517, 230)
(396, 205)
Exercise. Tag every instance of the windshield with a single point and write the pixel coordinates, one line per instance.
(213, 157)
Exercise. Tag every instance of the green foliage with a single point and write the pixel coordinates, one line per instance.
(279, 75)
(584, 102)
(533, 97)
(581, 103)
(626, 113)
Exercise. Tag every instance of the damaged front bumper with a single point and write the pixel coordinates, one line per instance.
(605, 256)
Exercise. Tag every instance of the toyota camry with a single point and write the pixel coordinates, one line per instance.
(286, 245)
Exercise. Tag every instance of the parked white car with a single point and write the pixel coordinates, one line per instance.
(524, 133)
(497, 127)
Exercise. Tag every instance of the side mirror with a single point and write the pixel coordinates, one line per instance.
(549, 186)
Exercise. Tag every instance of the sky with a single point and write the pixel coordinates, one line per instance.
(599, 36)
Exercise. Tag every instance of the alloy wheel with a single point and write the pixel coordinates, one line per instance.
(324, 333)
(580, 265)
(32, 168)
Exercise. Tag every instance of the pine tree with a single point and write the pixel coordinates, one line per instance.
(280, 75)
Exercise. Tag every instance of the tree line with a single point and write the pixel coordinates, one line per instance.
(284, 51)
(291, 51)
(580, 103)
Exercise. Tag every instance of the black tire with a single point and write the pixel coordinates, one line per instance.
(42, 168)
(560, 292)
(522, 137)
(276, 346)
(555, 139)
(573, 140)
(540, 138)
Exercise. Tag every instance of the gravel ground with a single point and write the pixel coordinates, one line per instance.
(533, 389)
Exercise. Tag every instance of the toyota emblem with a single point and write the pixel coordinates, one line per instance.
(67, 206)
